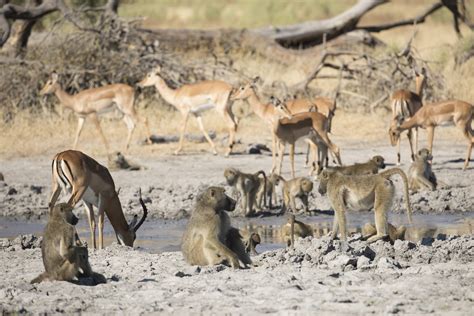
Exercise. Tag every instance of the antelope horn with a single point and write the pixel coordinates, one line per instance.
(145, 211)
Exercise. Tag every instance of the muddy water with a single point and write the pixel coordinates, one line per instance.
(160, 236)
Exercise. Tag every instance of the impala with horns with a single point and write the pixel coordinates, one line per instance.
(290, 128)
(86, 179)
(194, 99)
(405, 104)
(90, 103)
(266, 111)
(442, 113)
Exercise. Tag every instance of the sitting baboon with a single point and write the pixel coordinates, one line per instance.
(118, 162)
(251, 243)
(209, 238)
(63, 260)
(300, 230)
(394, 233)
(247, 185)
(370, 167)
(297, 187)
(420, 174)
(362, 193)
(272, 182)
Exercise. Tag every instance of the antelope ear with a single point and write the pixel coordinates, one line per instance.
(132, 224)
(157, 69)
(54, 76)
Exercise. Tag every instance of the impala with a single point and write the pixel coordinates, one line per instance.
(91, 102)
(195, 99)
(291, 127)
(405, 104)
(429, 116)
(88, 180)
(267, 111)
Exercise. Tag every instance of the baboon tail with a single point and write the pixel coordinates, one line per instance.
(40, 278)
(387, 174)
(292, 230)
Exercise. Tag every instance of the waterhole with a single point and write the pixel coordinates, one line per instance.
(165, 235)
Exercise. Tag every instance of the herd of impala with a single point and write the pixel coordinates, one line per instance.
(308, 119)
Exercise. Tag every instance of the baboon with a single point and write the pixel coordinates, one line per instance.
(394, 233)
(370, 167)
(63, 260)
(300, 230)
(251, 243)
(361, 193)
(267, 191)
(118, 162)
(297, 187)
(247, 185)
(209, 238)
(420, 174)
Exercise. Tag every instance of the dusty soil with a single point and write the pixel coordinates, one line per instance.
(315, 276)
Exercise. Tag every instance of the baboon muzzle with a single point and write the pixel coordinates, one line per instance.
(74, 220)
(231, 202)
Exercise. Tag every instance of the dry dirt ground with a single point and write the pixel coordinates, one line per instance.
(316, 276)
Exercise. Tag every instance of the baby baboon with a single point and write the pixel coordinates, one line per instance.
(297, 187)
(251, 243)
(271, 183)
(300, 230)
(63, 260)
(362, 193)
(247, 185)
(209, 237)
(394, 233)
(370, 167)
(420, 174)
(118, 162)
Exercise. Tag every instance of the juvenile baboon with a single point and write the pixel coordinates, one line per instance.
(247, 185)
(297, 187)
(209, 238)
(394, 233)
(370, 167)
(361, 193)
(251, 243)
(267, 191)
(300, 230)
(118, 162)
(420, 174)
(63, 260)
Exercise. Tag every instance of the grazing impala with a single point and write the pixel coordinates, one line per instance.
(91, 102)
(291, 127)
(405, 104)
(88, 180)
(431, 115)
(195, 99)
(267, 111)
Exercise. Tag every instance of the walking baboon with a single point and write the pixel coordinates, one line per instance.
(267, 191)
(394, 233)
(420, 174)
(209, 237)
(300, 230)
(370, 167)
(63, 260)
(362, 193)
(247, 185)
(251, 243)
(297, 187)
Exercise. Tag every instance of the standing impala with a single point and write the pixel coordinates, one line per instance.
(91, 102)
(88, 180)
(431, 115)
(267, 111)
(405, 104)
(195, 99)
(289, 128)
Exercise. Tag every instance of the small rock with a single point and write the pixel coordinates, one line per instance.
(362, 261)
(342, 261)
(403, 245)
(36, 189)
(427, 241)
(388, 263)
(12, 191)
(26, 242)
(181, 274)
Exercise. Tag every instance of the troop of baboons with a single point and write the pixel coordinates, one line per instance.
(209, 237)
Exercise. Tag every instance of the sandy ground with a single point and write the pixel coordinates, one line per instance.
(314, 277)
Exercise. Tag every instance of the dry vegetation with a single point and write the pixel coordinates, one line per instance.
(86, 60)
